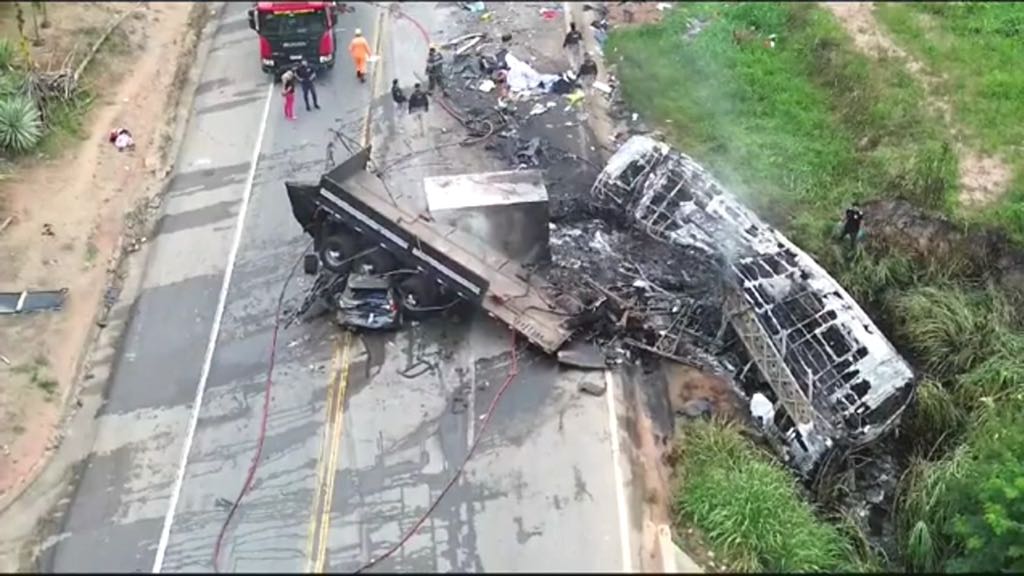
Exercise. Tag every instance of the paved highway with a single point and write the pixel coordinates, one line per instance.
(361, 434)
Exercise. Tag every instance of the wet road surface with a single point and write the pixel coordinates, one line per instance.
(363, 432)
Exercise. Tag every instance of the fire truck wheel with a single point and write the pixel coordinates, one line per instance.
(335, 250)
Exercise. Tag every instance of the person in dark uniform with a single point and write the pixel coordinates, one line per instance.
(418, 102)
(571, 44)
(852, 222)
(418, 99)
(397, 95)
(588, 70)
(306, 75)
(435, 71)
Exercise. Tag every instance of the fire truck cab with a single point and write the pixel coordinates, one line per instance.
(291, 31)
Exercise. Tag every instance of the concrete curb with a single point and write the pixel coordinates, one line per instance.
(116, 264)
(673, 559)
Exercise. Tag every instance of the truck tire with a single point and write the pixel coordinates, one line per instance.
(335, 250)
(380, 260)
(422, 289)
(311, 264)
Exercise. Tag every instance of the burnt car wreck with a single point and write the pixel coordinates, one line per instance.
(834, 379)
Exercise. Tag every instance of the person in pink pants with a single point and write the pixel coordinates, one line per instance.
(288, 91)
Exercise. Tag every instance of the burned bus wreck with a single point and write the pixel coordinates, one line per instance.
(835, 378)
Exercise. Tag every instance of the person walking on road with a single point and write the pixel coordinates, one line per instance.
(588, 70)
(435, 71)
(418, 105)
(572, 45)
(306, 76)
(288, 91)
(397, 94)
(359, 49)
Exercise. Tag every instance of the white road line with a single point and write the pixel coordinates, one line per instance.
(620, 487)
(211, 345)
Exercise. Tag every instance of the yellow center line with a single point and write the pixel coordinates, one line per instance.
(332, 463)
(324, 442)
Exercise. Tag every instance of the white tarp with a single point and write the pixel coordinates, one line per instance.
(523, 78)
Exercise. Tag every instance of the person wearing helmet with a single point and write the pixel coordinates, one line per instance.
(435, 71)
(359, 49)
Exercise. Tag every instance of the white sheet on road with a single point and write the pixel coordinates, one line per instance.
(523, 78)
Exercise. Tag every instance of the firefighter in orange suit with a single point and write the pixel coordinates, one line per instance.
(359, 49)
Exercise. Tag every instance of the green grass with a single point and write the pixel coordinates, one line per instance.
(799, 130)
(748, 507)
(978, 50)
(65, 123)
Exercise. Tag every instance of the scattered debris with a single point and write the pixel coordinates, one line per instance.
(473, 7)
(582, 355)
(592, 387)
(7, 222)
(23, 302)
(699, 408)
(48, 230)
(486, 86)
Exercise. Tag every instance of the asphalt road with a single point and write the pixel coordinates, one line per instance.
(362, 432)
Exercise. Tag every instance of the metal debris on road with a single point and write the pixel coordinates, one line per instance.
(24, 302)
(582, 355)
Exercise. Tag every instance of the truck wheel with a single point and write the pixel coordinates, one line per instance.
(310, 264)
(380, 260)
(335, 250)
(419, 291)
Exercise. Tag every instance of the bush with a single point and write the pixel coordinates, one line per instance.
(950, 329)
(936, 420)
(21, 127)
(748, 507)
(971, 503)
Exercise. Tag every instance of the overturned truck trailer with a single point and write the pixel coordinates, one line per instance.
(350, 212)
(837, 380)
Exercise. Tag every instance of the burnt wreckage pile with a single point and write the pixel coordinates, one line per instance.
(833, 377)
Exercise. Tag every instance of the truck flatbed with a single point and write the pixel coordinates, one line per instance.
(501, 286)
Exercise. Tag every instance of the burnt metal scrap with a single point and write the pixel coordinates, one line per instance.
(26, 301)
(836, 379)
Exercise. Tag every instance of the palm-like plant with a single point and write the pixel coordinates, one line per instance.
(20, 124)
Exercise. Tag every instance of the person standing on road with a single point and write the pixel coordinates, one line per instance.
(435, 71)
(306, 76)
(588, 70)
(359, 49)
(852, 222)
(397, 94)
(572, 44)
(288, 91)
(419, 104)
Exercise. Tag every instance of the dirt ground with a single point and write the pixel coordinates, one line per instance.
(84, 194)
(983, 179)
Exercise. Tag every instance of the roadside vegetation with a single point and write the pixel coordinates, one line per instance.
(800, 131)
(748, 505)
(977, 47)
(39, 110)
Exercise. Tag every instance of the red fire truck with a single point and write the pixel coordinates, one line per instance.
(291, 31)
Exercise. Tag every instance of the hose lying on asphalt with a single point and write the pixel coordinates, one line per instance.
(247, 484)
(510, 376)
